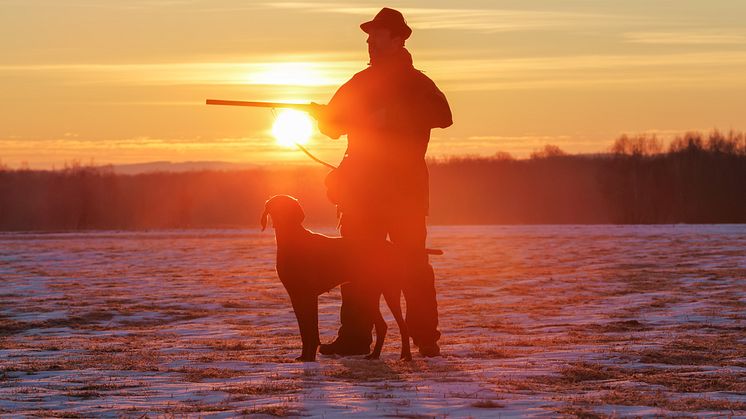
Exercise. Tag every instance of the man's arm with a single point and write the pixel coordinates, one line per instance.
(334, 118)
(421, 105)
(438, 112)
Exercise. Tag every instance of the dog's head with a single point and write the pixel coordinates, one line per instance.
(284, 210)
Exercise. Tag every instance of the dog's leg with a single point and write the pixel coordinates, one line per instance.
(306, 310)
(381, 329)
(393, 300)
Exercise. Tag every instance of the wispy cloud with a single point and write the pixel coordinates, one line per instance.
(269, 73)
(472, 19)
(712, 68)
(45, 153)
(139, 5)
(685, 38)
(721, 68)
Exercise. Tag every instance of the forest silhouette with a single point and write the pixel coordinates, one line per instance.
(697, 178)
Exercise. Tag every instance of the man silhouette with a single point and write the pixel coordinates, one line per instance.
(381, 185)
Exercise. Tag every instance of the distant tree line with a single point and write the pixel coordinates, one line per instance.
(699, 178)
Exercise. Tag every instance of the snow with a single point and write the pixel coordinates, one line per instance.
(536, 321)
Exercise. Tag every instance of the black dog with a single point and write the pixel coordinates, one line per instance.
(310, 264)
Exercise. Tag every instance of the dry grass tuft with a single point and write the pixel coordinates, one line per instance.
(585, 371)
(620, 326)
(84, 394)
(139, 360)
(227, 345)
(487, 404)
(693, 381)
(263, 389)
(495, 353)
(10, 327)
(46, 413)
(82, 321)
(580, 412)
(279, 410)
(237, 304)
(196, 375)
(631, 397)
(707, 349)
(378, 396)
(364, 370)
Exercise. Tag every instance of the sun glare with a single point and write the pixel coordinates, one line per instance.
(292, 127)
(291, 74)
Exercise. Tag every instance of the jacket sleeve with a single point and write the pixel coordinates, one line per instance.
(438, 111)
(335, 119)
(421, 105)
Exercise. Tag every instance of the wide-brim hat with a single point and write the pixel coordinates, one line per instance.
(389, 19)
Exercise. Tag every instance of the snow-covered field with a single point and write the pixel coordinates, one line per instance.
(536, 320)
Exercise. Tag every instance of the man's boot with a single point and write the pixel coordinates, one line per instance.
(429, 350)
(344, 348)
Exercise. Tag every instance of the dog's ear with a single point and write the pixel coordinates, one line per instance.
(265, 215)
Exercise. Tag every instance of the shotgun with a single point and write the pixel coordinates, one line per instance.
(304, 107)
(310, 108)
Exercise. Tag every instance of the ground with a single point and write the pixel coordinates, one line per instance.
(589, 321)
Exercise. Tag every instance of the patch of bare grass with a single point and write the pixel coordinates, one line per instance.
(9, 326)
(263, 389)
(503, 327)
(363, 370)
(195, 407)
(227, 345)
(558, 340)
(487, 404)
(495, 353)
(378, 396)
(620, 326)
(279, 410)
(629, 397)
(141, 360)
(84, 394)
(145, 323)
(580, 412)
(709, 349)
(236, 304)
(688, 381)
(663, 302)
(48, 413)
(586, 371)
(196, 375)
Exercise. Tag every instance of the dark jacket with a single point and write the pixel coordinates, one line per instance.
(387, 112)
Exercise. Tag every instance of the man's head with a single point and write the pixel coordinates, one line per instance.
(386, 34)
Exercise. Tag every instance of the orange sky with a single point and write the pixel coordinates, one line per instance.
(125, 81)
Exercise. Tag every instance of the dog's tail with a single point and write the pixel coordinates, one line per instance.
(433, 251)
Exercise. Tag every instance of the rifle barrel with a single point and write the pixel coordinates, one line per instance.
(298, 106)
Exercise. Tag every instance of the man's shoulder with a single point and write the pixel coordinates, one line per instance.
(421, 77)
(362, 74)
(368, 76)
(358, 79)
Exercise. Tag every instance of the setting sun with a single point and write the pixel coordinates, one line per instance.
(292, 127)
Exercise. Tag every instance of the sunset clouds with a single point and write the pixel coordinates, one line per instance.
(129, 79)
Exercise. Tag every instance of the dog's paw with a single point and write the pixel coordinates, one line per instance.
(406, 357)
(372, 356)
(306, 358)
